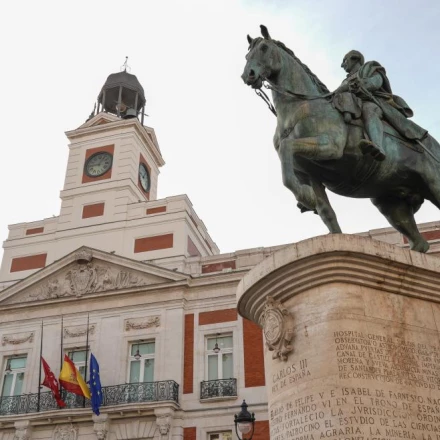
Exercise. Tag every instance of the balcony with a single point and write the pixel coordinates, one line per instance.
(112, 395)
(220, 388)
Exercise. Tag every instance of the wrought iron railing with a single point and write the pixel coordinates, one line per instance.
(112, 395)
(218, 388)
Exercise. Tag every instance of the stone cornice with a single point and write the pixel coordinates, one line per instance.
(81, 415)
(105, 297)
(118, 125)
(338, 258)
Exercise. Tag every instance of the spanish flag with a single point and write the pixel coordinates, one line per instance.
(71, 380)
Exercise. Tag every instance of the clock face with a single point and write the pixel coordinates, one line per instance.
(144, 177)
(98, 164)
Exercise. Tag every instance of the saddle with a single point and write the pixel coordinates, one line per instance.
(356, 124)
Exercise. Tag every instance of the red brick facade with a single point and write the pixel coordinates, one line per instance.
(34, 231)
(27, 263)
(253, 355)
(192, 249)
(428, 236)
(156, 210)
(188, 355)
(190, 433)
(218, 267)
(95, 210)
(153, 243)
(261, 430)
(217, 316)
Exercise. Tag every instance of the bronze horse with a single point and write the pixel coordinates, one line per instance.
(318, 150)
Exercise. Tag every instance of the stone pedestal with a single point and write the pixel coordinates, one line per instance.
(353, 343)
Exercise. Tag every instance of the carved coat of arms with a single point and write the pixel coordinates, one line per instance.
(65, 432)
(82, 278)
(277, 325)
(86, 276)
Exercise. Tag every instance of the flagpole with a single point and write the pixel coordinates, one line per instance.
(39, 372)
(61, 345)
(87, 354)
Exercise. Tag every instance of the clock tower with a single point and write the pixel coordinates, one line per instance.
(109, 199)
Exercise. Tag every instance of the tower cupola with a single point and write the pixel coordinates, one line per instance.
(122, 95)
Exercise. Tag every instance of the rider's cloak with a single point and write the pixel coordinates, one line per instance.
(395, 109)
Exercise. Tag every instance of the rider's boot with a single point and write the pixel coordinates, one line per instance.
(369, 147)
(372, 116)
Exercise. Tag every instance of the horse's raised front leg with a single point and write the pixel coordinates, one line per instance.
(324, 208)
(303, 193)
(320, 147)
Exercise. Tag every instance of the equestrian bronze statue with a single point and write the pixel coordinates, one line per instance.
(357, 141)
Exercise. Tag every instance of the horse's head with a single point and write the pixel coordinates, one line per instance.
(263, 60)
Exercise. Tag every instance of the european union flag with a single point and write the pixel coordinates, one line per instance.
(95, 385)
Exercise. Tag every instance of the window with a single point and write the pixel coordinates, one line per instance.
(78, 357)
(13, 376)
(221, 436)
(141, 362)
(219, 365)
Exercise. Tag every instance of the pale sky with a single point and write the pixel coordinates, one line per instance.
(214, 133)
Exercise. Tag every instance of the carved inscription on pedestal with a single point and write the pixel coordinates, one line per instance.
(387, 359)
(378, 387)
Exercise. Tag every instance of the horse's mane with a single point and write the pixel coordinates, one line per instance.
(321, 86)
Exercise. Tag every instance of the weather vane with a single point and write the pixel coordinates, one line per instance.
(125, 67)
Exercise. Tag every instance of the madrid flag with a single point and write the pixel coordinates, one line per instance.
(71, 379)
(50, 382)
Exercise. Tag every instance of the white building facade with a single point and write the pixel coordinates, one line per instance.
(134, 280)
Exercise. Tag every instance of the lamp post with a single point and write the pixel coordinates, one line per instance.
(244, 422)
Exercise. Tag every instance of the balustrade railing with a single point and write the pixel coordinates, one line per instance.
(112, 395)
(218, 388)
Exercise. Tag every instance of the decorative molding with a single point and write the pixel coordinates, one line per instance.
(23, 430)
(84, 256)
(6, 435)
(134, 430)
(65, 432)
(164, 418)
(87, 276)
(338, 259)
(142, 323)
(277, 323)
(18, 339)
(100, 426)
(78, 330)
(164, 426)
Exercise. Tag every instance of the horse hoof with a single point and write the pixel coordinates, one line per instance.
(368, 147)
(421, 246)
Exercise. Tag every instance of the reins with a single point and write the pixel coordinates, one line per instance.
(286, 92)
(266, 99)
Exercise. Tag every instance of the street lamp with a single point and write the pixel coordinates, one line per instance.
(216, 348)
(137, 355)
(244, 422)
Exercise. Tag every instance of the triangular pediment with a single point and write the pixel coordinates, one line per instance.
(88, 272)
(99, 119)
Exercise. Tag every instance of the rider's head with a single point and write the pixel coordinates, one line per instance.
(352, 60)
